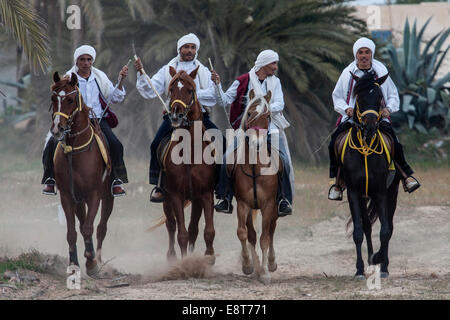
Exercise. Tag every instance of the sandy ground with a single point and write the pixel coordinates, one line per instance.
(315, 258)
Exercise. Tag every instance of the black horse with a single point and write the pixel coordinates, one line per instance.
(365, 170)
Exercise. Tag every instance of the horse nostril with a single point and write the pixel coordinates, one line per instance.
(180, 115)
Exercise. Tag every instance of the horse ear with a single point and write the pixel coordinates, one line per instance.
(56, 77)
(381, 80)
(251, 94)
(193, 74)
(356, 78)
(172, 71)
(73, 80)
(268, 96)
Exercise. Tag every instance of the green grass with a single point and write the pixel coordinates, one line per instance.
(27, 261)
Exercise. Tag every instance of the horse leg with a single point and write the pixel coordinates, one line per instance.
(273, 224)
(69, 210)
(367, 227)
(252, 239)
(264, 241)
(196, 213)
(354, 200)
(242, 211)
(107, 206)
(87, 230)
(385, 234)
(209, 232)
(177, 205)
(171, 228)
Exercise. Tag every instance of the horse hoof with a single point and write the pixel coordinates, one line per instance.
(265, 279)
(273, 267)
(210, 259)
(92, 271)
(384, 275)
(360, 277)
(247, 269)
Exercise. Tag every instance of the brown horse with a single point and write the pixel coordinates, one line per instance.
(256, 187)
(81, 175)
(187, 181)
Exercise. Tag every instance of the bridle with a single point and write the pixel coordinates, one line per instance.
(186, 106)
(70, 118)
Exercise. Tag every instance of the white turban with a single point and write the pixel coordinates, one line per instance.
(85, 49)
(189, 38)
(364, 43)
(264, 58)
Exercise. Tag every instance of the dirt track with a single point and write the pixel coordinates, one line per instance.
(315, 259)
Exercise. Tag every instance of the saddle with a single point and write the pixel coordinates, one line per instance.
(103, 147)
(341, 145)
(163, 149)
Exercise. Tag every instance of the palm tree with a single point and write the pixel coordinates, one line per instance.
(22, 22)
(313, 38)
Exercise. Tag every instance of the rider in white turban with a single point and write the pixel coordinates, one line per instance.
(84, 49)
(189, 38)
(264, 58)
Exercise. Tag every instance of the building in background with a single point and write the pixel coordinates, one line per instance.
(386, 22)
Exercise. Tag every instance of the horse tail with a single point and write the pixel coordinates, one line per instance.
(162, 219)
(371, 212)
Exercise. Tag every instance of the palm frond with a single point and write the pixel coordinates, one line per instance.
(29, 29)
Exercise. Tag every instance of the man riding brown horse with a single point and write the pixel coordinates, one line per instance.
(262, 79)
(344, 103)
(98, 92)
(187, 48)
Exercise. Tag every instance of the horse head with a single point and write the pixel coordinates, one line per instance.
(256, 119)
(66, 103)
(184, 106)
(368, 103)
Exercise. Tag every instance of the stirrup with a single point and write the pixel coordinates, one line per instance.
(414, 187)
(289, 208)
(335, 195)
(117, 183)
(156, 200)
(49, 187)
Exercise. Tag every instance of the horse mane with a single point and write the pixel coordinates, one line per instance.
(365, 83)
(249, 104)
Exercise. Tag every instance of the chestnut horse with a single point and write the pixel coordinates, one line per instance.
(187, 181)
(81, 175)
(256, 185)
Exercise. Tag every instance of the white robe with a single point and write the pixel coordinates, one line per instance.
(90, 93)
(205, 87)
(388, 88)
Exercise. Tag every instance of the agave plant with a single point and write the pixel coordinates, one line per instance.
(425, 99)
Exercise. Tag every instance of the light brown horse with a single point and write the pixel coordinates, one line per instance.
(255, 188)
(80, 171)
(187, 181)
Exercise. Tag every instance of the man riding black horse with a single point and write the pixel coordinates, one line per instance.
(344, 103)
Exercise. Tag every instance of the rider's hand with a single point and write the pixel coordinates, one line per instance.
(385, 113)
(349, 112)
(124, 72)
(215, 77)
(138, 64)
